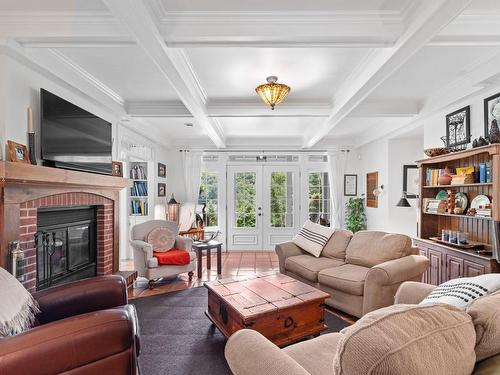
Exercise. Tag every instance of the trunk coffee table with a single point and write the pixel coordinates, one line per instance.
(281, 308)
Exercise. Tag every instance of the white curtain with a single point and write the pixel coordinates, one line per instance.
(192, 168)
(337, 162)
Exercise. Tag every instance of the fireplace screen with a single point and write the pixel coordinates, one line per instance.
(66, 245)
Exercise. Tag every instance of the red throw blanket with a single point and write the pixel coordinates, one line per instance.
(172, 257)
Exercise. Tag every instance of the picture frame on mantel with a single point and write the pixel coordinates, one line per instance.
(371, 186)
(18, 152)
(350, 185)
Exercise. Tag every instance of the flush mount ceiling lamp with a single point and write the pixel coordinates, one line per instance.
(272, 92)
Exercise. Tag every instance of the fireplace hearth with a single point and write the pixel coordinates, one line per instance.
(66, 245)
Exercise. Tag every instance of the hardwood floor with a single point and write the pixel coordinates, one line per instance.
(237, 263)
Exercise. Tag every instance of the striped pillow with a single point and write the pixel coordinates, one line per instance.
(313, 238)
(462, 292)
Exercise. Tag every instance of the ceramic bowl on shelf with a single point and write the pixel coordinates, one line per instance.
(436, 151)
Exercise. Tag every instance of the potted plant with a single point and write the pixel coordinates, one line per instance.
(355, 215)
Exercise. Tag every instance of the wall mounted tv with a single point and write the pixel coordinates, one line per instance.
(73, 138)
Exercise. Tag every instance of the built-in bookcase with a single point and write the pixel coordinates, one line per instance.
(139, 194)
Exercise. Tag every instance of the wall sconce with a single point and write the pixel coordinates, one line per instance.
(378, 190)
(173, 210)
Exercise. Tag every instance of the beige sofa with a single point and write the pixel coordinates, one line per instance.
(365, 348)
(361, 272)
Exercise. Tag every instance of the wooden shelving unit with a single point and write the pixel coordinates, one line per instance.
(448, 262)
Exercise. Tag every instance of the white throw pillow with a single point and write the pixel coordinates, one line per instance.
(313, 237)
(462, 292)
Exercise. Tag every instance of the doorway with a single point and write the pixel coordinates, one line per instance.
(263, 205)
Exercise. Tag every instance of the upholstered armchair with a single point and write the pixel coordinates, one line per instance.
(84, 327)
(146, 264)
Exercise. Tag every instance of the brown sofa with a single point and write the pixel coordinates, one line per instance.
(361, 272)
(248, 352)
(85, 327)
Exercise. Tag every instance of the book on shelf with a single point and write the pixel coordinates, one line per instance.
(483, 212)
(432, 176)
(434, 206)
(138, 172)
(139, 189)
(462, 179)
(139, 208)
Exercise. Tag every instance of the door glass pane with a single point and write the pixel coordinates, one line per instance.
(208, 199)
(319, 198)
(245, 195)
(281, 210)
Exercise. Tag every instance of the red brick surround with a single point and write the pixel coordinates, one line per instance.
(28, 227)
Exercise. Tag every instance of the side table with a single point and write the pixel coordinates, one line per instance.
(198, 247)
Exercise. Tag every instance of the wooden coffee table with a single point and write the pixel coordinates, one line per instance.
(279, 307)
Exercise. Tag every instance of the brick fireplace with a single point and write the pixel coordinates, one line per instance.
(25, 189)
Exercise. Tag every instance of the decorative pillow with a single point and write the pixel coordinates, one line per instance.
(462, 292)
(408, 339)
(162, 239)
(313, 238)
(17, 307)
(485, 314)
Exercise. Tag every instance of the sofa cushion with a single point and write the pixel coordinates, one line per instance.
(408, 339)
(337, 244)
(313, 237)
(485, 313)
(308, 266)
(369, 248)
(347, 278)
(162, 239)
(316, 356)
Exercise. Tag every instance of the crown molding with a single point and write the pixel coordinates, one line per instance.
(258, 109)
(157, 109)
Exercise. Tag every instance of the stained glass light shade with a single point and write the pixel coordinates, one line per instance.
(272, 92)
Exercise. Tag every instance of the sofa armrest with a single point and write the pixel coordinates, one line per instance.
(144, 246)
(285, 250)
(248, 353)
(68, 344)
(383, 280)
(185, 243)
(82, 296)
(412, 292)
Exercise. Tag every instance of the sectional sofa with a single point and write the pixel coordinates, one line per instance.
(361, 272)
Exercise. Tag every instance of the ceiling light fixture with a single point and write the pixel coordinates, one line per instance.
(271, 92)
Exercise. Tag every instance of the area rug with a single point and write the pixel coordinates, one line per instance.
(177, 338)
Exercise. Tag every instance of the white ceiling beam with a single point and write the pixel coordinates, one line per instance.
(285, 109)
(386, 108)
(157, 109)
(135, 16)
(428, 19)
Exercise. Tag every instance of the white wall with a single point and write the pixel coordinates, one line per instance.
(387, 157)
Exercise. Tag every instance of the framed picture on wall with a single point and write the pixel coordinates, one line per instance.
(162, 189)
(458, 128)
(162, 170)
(117, 168)
(350, 185)
(491, 113)
(371, 186)
(410, 181)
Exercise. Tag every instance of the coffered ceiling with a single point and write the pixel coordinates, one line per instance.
(357, 68)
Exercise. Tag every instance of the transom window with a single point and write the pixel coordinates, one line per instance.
(319, 198)
(208, 199)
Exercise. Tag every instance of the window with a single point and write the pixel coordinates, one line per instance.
(208, 199)
(281, 199)
(245, 198)
(319, 198)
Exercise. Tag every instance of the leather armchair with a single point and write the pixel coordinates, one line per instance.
(146, 265)
(85, 327)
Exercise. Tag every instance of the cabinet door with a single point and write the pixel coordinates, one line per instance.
(425, 276)
(435, 272)
(454, 267)
(472, 269)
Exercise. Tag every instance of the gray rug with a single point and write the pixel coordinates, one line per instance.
(177, 338)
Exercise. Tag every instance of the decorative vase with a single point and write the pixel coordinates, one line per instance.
(445, 177)
(482, 141)
(494, 132)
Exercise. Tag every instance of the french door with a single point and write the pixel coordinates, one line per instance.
(263, 205)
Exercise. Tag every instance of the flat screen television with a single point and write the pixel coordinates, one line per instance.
(73, 138)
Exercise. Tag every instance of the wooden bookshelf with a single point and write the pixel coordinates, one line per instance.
(448, 262)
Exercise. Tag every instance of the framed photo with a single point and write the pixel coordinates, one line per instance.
(162, 189)
(350, 185)
(117, 168)
(162, 170)
(18, 152)
(410, 181)
(458, 128)
(371, 186)
(491, 112)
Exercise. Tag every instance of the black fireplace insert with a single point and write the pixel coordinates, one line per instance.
(66, 243)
